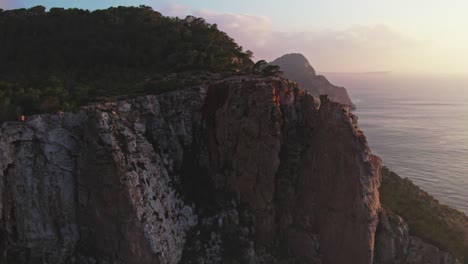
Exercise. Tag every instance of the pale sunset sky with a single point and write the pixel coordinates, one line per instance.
(403, 36)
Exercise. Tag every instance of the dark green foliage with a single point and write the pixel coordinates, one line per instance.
(259, 66)
(66, 57)
(438, 224)
(272, 70)
(263, 68)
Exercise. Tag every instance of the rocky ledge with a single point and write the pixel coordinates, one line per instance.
(244, 170)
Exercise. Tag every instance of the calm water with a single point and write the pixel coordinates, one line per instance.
(418, 126)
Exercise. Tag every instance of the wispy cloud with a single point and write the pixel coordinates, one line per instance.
(7, 4)
(175, 10)
(253, 32)
(356, 48)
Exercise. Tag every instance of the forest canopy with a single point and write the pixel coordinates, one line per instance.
(62, 58)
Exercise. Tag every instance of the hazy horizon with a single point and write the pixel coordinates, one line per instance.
(417, 125)
(336, 36)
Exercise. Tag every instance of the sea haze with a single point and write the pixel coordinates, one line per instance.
(418, 125)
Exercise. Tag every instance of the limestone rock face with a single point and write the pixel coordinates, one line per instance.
(37, 188)
(421, 252)
(129, 202)
(244, 170)
(392, 239)
(395, 245)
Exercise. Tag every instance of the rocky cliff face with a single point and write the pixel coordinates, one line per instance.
(297, 68)
(240, 171)
(396, 246)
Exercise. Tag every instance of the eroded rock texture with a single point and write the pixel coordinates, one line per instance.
(244, 170)
(392, 239)
(37, 188)
(422, 252)
(396, 246)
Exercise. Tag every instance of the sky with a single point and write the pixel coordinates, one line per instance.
(417, 36)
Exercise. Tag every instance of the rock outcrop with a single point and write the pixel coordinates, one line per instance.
(426, 217)
(396, 246)
(422, 252)
(244, 170)
(297, 68)
(392, 239)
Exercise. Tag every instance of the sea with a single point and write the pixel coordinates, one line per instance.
(418, 125)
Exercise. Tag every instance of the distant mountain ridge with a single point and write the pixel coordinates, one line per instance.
(297, 68)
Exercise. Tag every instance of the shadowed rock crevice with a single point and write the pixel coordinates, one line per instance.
(108, 224)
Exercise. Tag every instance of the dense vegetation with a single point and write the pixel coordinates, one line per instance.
(438, 224)
(58, 59)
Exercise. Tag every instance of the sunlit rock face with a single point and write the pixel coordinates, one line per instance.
(288, 159)
(244, 170)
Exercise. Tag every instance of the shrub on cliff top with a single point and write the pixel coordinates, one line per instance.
(435, 223)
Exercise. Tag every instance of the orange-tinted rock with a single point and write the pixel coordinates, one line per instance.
(300, 168)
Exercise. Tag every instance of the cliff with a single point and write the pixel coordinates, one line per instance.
(439, 224)
(244, 170)
(297, 68)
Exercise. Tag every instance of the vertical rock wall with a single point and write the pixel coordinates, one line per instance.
(304, 170)
(38, 188)
(246, 170)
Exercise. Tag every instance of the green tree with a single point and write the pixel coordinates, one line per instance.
(272, 70)
(259, 66)
(62, 58)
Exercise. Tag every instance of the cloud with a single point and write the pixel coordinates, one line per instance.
(356, 48)
(7, 4)
(175, 10)
(252, 32)
(356, 39)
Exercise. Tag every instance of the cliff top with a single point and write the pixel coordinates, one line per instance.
(62, 58)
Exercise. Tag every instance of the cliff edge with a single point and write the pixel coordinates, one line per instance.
(243, 170)
(297, 68)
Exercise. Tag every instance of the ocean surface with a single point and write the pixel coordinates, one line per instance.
(418, 125)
